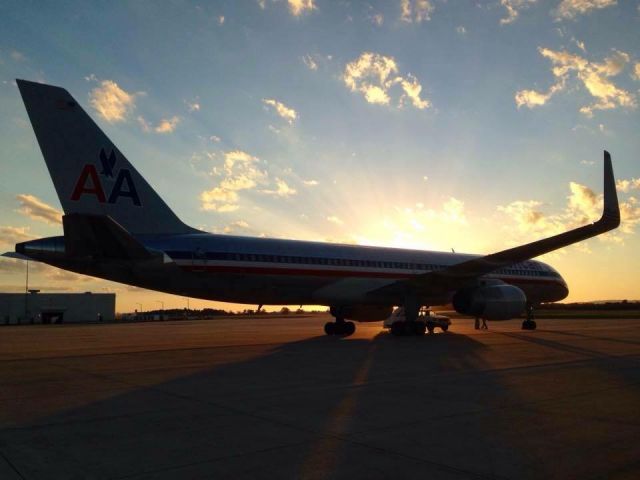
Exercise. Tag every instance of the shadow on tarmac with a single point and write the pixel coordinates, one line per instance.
(324, 407)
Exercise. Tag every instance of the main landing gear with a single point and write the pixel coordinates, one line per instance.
(339, 327)
(529, 323)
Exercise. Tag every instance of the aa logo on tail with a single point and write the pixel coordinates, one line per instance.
(89, 182)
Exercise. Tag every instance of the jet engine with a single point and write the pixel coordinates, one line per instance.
(491, 302)
(362, 313)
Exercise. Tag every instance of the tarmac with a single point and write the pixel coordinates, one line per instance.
(272, 397)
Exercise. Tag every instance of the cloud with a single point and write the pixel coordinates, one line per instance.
(310, 183)
(240, 172)
(636, 71)
(533, 98)
(36, 209)
(624, 185)
(569, 9)
(167, 125)
(193, 106)
(513, 8)
(419, 218)
(9, 235)
(375, 75)
(461, 30)
(111, 102)
(334, 219)
(12, 265)
(377, 19)
(579, 44)
(310, 62)
(220, 200)
(583, 206)
(221, 20)
(282, 189)
(298, 7)
(595, 77)
(453, 211)
(416, 10)
(18, 56)
(289, 114)
(234, 226)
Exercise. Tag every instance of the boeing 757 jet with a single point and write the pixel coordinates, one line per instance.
(118, 228)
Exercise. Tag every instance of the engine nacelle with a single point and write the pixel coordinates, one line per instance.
(362, 313)
(492, 302)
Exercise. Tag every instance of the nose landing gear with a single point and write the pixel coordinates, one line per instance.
(529, 323)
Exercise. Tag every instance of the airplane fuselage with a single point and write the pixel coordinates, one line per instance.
(274, 272)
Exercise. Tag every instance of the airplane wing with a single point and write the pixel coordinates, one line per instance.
(460, 274)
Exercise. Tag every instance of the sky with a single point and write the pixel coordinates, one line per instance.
(430, 124)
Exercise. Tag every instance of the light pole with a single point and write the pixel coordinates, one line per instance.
(26, 295)
(161, 308)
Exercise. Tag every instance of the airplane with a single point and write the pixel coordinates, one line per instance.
(116, 227)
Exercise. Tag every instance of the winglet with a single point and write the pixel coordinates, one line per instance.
(611, 210)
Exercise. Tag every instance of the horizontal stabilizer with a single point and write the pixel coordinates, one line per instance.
(100, 236)
(17, 256)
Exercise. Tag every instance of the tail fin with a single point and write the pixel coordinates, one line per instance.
(90, 174)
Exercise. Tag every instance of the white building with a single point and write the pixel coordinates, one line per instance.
(37, 307)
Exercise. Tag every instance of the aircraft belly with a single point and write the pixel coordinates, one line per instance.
(349, 290)
(258, 289)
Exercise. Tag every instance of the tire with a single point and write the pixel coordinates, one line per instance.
(397, 328)
(430, 328)
(529, 325)
(329, 328)
(349, 328)
(409, 328)
(420, 329)
(445, 328)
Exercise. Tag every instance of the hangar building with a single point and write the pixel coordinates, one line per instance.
(36, 307)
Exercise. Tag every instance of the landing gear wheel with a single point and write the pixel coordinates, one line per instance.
(409, 328)
(445, 328)
(397, 328)
(340, 328)
(431, 328)
(329, 328)
(349, 328)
